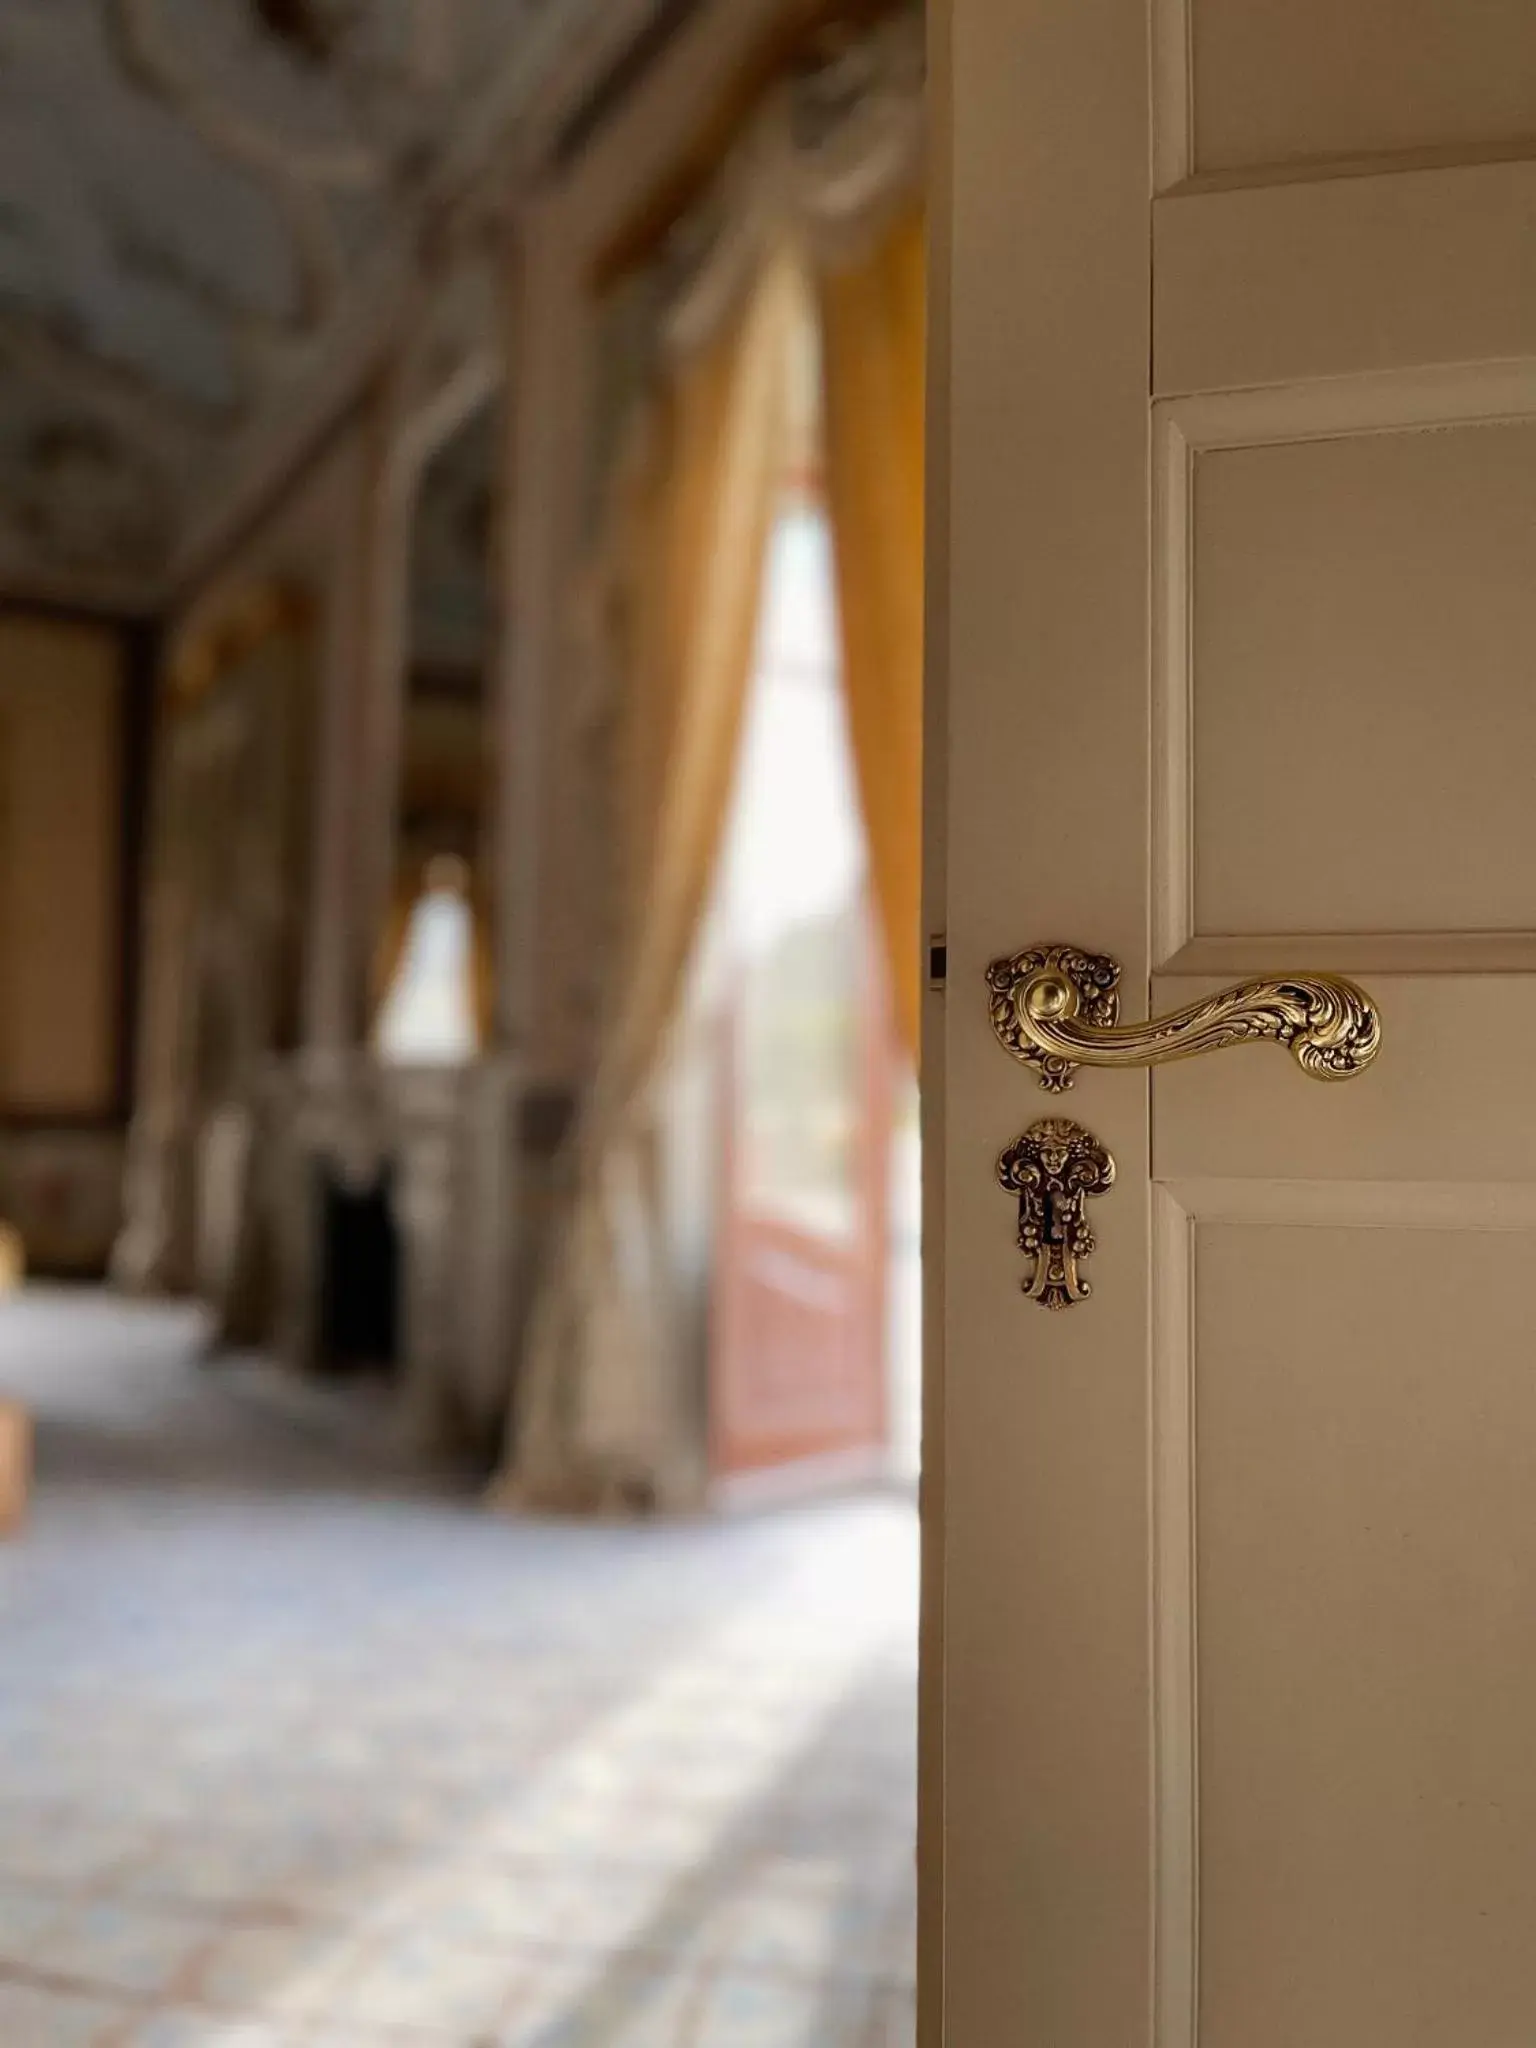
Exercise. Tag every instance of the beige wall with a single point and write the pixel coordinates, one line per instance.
(64, 705)
(61, 740)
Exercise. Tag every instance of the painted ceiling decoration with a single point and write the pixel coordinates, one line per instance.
(307, 26)
(194, 197)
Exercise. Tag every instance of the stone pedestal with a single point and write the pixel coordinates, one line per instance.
(447, 1139)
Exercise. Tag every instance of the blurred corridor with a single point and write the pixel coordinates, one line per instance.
(461, 569)
(381, 1769)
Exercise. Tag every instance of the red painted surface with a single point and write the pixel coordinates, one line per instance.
(798, 1367)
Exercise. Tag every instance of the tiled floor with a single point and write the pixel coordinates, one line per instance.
(293, 1755)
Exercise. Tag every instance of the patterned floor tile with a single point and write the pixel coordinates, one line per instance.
(795, 1919)
(749, 2012)
(893, 2020)
(26, 1916)
(294, 1754)
(31, 2017)
(277, 1971)
(203, 2030)
(423, 1984)
(70, 1852)
(579, 1999)
(120, 1947)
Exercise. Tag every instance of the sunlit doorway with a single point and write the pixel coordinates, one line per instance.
(813, 1351)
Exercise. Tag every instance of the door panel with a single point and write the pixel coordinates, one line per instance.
(1367, 1642)
(1344, 276)
(1234, 1561)
(1333, 678)
(1280, 80)
(1364, 607)
(1445, 1106)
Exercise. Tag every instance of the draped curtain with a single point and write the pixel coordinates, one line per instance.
(872, 317)
(814, 220)
(599, 1424)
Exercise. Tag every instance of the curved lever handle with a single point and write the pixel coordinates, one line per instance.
(1057, 1008)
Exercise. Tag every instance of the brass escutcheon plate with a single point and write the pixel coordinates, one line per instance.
(1053, 1169)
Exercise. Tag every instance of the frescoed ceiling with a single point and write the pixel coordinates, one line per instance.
(193, 195)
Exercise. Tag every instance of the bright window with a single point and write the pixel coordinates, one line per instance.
(793, 900)
(428, 1018)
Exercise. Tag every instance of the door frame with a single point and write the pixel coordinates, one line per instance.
(1061, 1767)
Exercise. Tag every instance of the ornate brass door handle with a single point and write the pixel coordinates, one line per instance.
(1057, 1008)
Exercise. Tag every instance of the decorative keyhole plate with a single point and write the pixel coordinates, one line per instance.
(1053, 1169)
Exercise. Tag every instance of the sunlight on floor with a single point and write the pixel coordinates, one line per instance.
(291, 1757)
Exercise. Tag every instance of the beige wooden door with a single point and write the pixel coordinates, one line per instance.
(1230, 1658)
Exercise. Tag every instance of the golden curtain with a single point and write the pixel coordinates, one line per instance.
(599, 1416)
(872, 316)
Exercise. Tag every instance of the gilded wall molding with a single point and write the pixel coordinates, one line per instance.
(208, 647)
